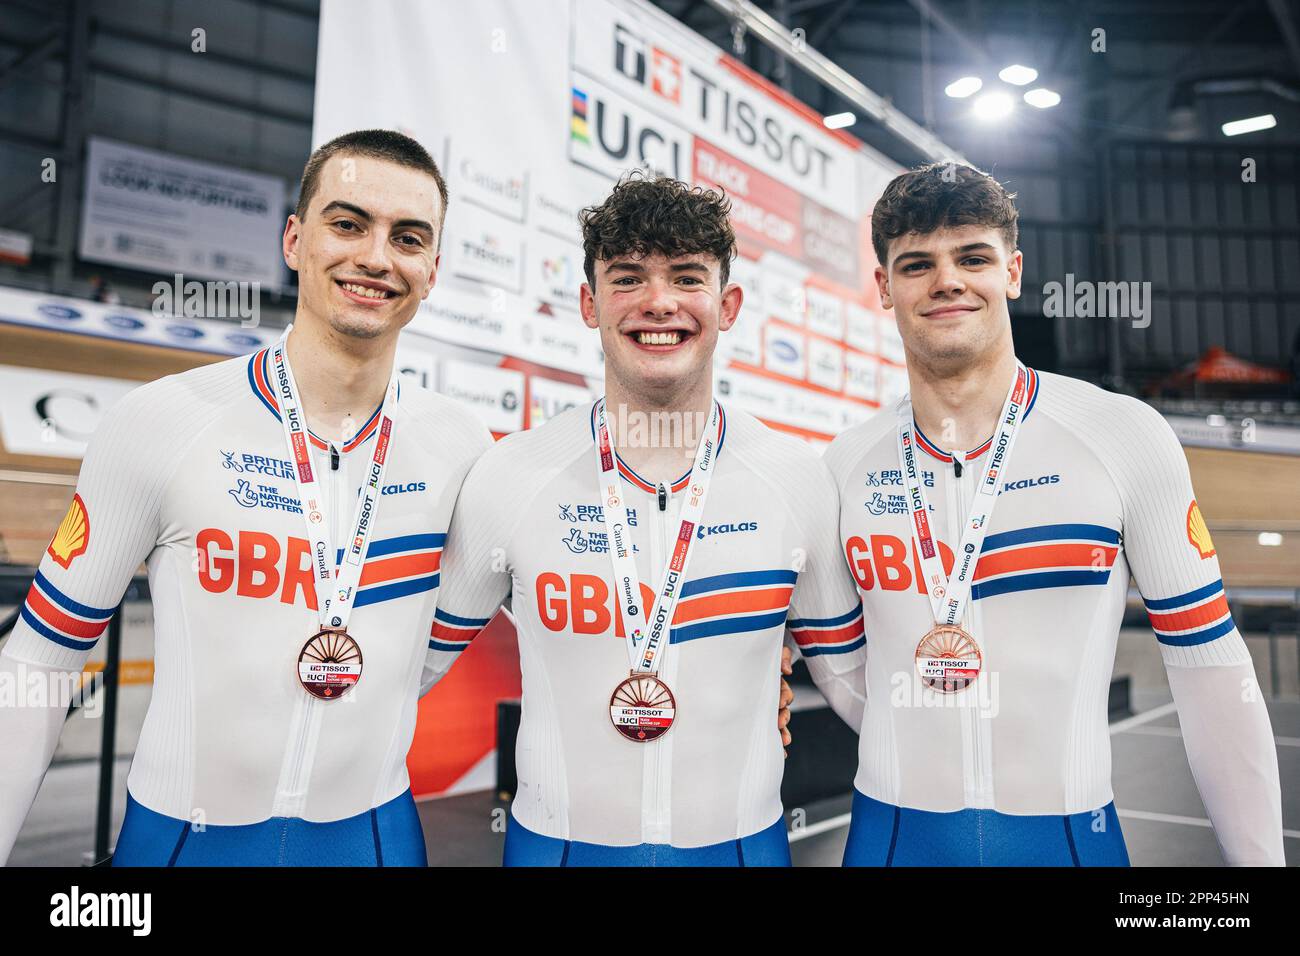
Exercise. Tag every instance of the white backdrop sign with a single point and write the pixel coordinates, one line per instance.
(534, 110)
(162, 213)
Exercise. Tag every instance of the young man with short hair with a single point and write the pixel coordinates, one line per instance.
(660, 514)
(284, 697)
(993, 579)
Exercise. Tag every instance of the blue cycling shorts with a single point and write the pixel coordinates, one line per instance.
(768, 847)
(388, 835)
(881, 834)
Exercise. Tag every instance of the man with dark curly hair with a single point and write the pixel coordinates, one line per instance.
(657, 548)
(1025, 499)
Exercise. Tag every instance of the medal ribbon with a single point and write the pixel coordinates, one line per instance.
(645, 637)
(336, 584)
(949, 596)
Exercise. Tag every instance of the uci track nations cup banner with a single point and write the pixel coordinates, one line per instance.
(533, 110)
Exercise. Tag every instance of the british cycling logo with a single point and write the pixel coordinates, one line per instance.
(590, 514)
(243, 463)
(894, 476)
(263, 496)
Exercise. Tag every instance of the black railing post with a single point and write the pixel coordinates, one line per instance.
(108, 742)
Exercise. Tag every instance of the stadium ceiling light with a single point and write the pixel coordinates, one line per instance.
(1250, 125)
(1270, 539)
(839, 120)
(994, 105)
(1018, 75)
(1042, 98)
(960, 89)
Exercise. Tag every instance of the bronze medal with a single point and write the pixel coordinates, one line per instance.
(642, 708)
(330, 664)
(948, 659)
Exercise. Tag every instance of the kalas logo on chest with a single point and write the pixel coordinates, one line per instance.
(703, 531)
(404, 489)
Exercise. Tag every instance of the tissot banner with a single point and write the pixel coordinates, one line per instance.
(534, 110)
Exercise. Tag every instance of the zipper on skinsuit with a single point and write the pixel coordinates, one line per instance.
(656, 812)
(974, 728)
(295, 770)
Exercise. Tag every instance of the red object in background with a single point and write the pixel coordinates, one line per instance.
(1218, 366)
(457, 723)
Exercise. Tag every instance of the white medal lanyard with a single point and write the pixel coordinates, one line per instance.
(645, 637)
(336, 584)
(949, 596)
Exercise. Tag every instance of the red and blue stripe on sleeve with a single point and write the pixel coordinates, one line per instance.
(58, 618)
(453, 633)
(831, 635)
(1197, 617)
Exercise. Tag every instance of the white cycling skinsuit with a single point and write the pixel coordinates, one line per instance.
(1015, 768)
(237, 764)
(529, 527)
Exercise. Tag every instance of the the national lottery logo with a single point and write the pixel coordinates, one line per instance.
(587, 542)
(880, 504)
(246, 495)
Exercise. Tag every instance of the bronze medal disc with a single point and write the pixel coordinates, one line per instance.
(330, 664)
(642, 708)
(948, 659)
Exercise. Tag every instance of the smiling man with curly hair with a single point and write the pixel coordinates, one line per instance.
(658, 549)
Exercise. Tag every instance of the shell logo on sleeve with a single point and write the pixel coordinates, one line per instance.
(1197, 531)
(73, 534)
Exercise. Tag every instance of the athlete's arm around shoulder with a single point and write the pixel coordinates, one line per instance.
(111, 526)
(825, 618)
(474, 579)
(1225, 726)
